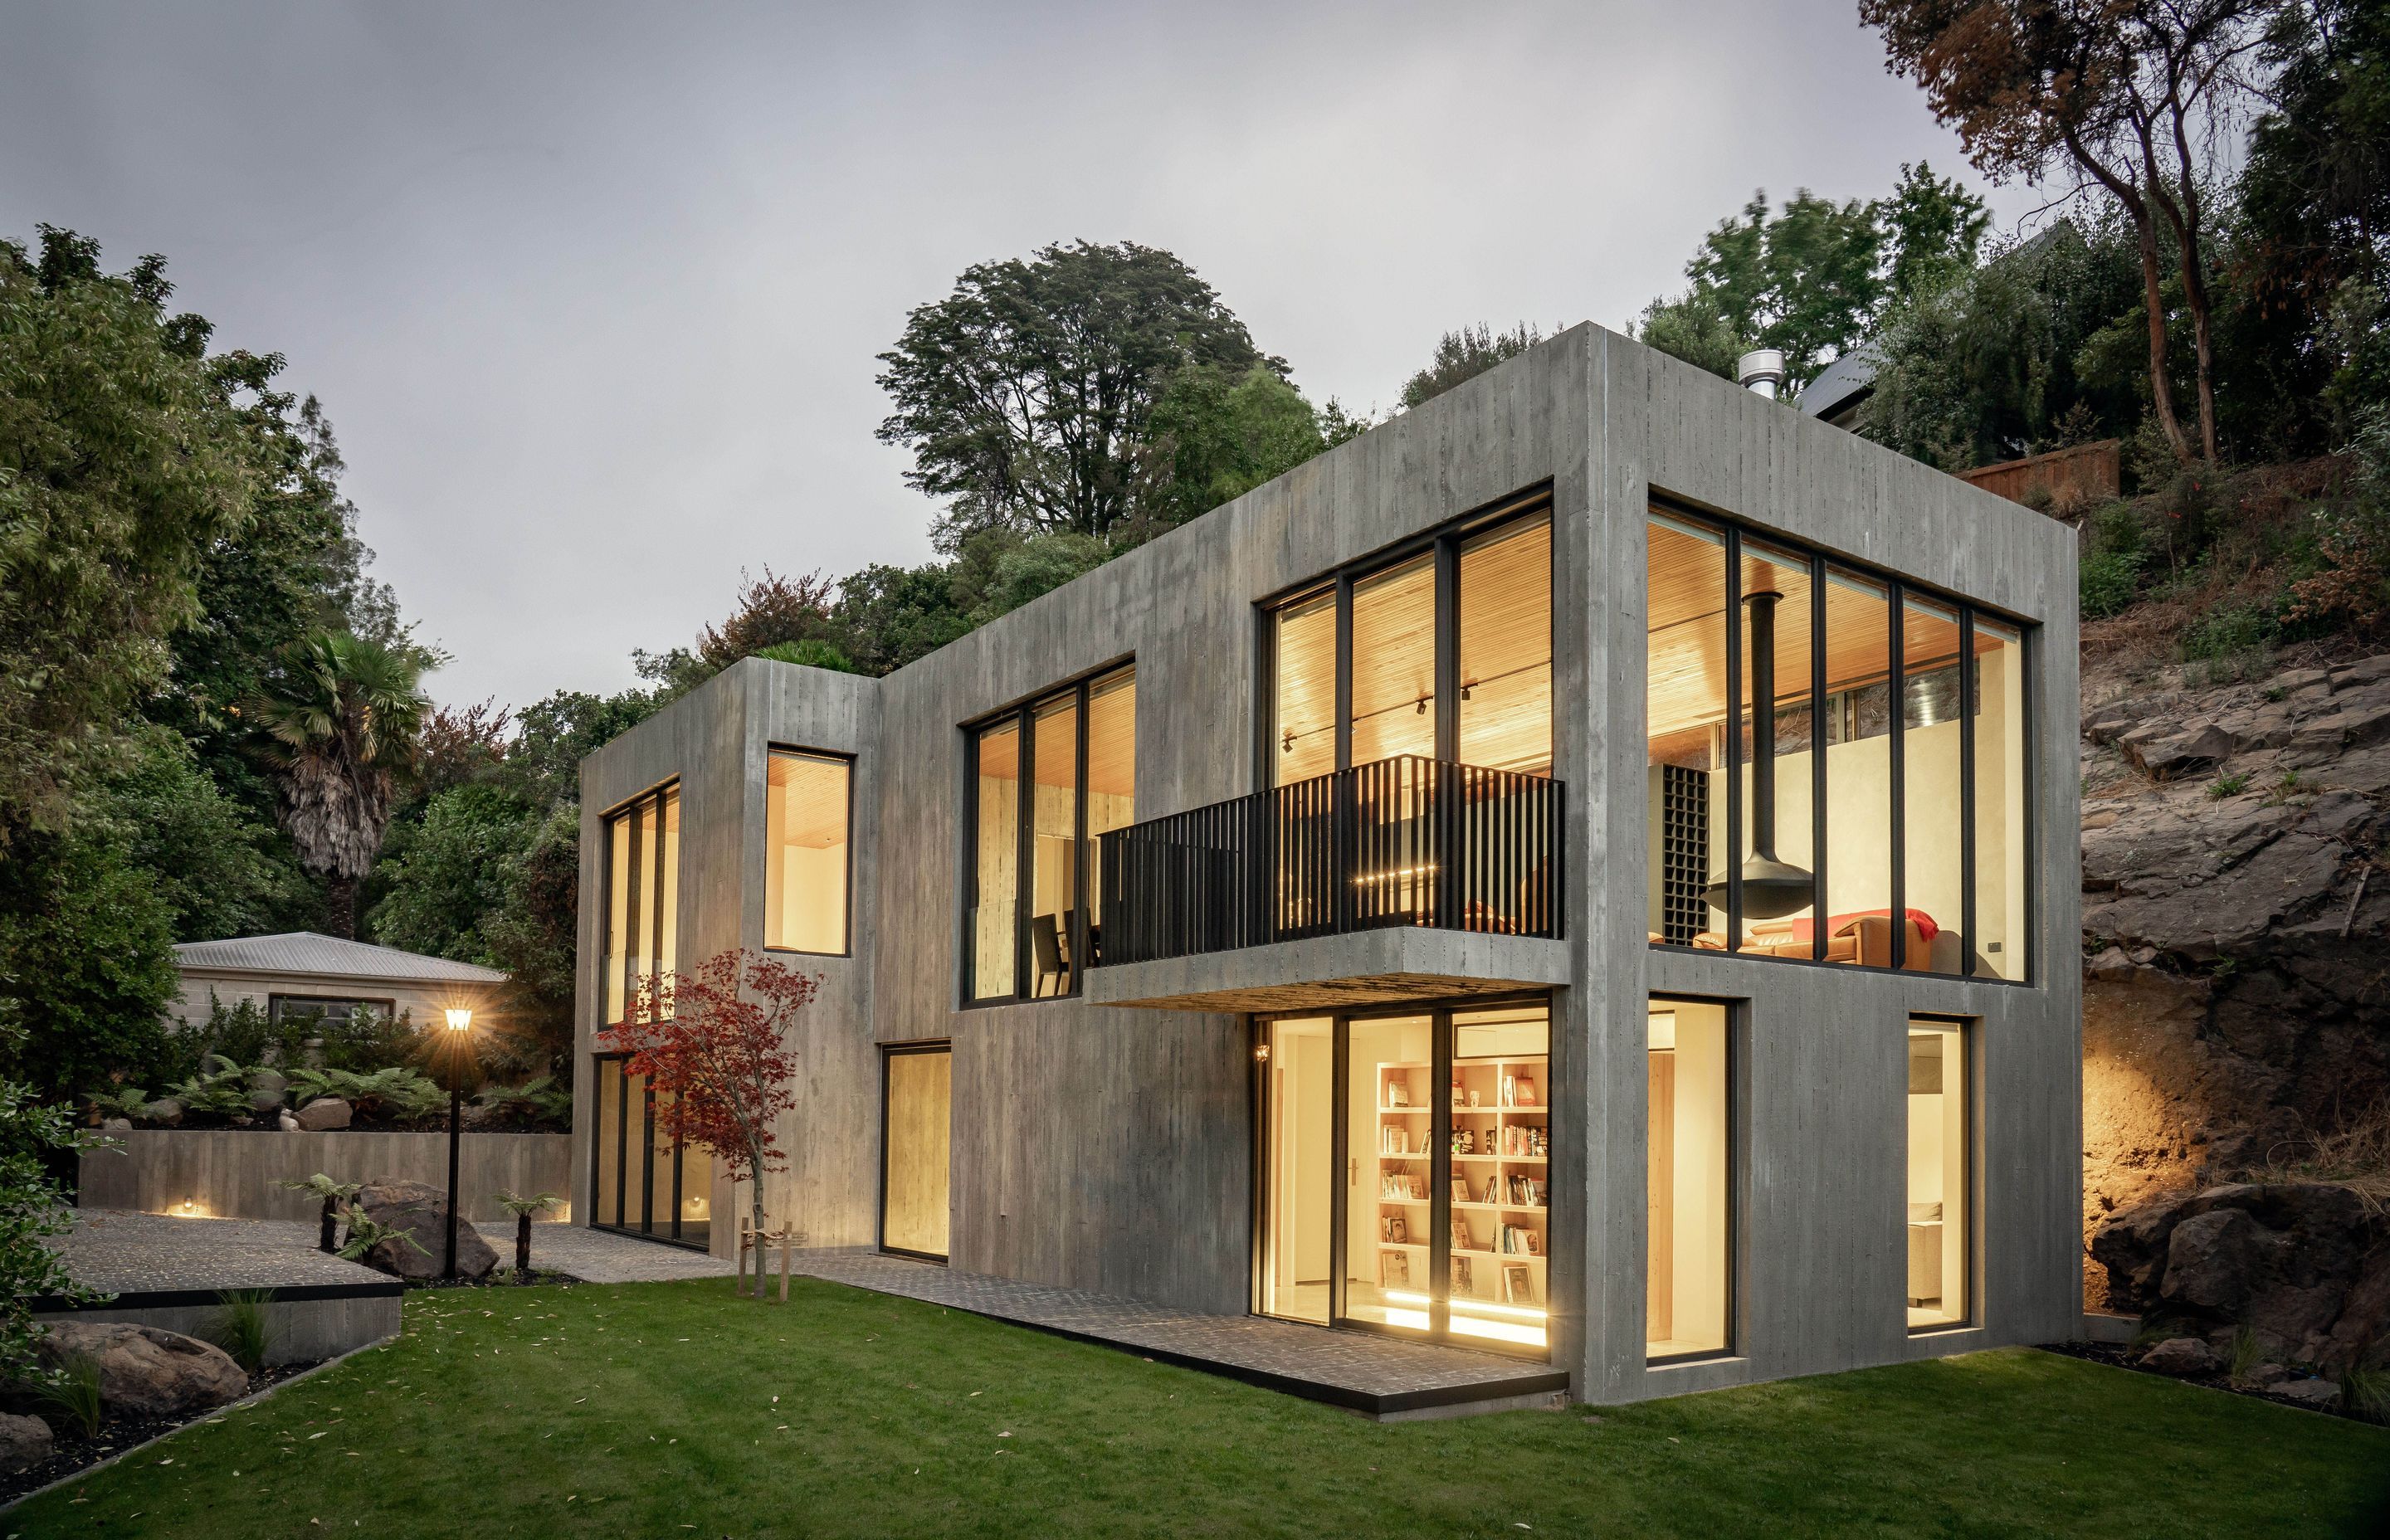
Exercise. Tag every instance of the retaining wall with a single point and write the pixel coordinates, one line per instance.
(232, 1174)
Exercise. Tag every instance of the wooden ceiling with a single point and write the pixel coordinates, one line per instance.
(1687, 659)
(808, 797)
(1111, 740)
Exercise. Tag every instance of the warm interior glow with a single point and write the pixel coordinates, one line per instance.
(1694, 777)
(1937, 1174)
(1687, 1214)
(914, 1215)
(806, 816)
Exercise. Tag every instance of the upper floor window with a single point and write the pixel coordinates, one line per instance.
(1046, 779)
(1442, 652)
(642, 895)
(1782, 769)
(806, 877)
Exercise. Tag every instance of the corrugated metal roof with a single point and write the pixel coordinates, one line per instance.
(305, 952)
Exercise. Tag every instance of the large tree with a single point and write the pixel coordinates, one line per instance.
(123, 459)
(1815, 278)
(1025, 395)
(345, 713)
(2127, 95)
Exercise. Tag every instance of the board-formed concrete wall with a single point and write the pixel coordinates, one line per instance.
(1111, 1148)
(233, 1173)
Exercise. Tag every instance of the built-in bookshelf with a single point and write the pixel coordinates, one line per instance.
(1499, 1200)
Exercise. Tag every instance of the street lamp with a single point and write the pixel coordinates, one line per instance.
(460, 1027)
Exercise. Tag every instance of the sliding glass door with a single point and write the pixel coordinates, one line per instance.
(646, 1183)
(1405, 1173)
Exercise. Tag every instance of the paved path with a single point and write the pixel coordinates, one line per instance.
(148, 1253)
(1351, 1368)
(142, 1253)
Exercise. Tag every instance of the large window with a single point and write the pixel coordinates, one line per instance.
(1823, 741)
(1939, 1174)
(1687, 1292)
(1046, 779)
(916, 1104)
(805, 878)
(1444, 651)
(642, 895)
(1406, 1180)
(645, 1184)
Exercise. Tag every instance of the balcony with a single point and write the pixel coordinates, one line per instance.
(1403, 880)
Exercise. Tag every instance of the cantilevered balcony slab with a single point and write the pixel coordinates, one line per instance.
(1328, 972)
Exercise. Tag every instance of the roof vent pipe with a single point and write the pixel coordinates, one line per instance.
(1761, 369)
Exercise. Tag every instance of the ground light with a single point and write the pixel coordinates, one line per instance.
(460, 1031)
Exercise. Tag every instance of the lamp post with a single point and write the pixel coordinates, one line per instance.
(460, 1026)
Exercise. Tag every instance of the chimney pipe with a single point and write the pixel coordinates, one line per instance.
(1762, 369)
(1771, 889)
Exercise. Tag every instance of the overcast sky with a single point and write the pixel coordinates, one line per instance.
(592, 294)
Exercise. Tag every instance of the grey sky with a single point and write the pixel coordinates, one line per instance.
(592, 294)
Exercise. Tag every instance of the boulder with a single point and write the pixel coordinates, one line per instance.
(2318, 1394)
(326, 1113)
(266, 1088)
(2266, 1376)
(147, 1371)
(422, 1212)
(116, 1126)
(2300, 1264)
(2363, 672)
(24, 1442)
(2182, 1355)
(165, 1111)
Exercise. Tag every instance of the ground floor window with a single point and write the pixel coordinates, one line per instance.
(916, 1107)
(1405, 1172)
(643, 1183)
(1939, 1221)
(1689, 1268)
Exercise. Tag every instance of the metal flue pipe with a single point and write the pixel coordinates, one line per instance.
(1771, 888)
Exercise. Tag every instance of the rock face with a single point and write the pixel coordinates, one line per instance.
(2301, 1265)
(24, 1442)
(325, 1113)
(2237, 935)
(422, 1212)
(147, 1371)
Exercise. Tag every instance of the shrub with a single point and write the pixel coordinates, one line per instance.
(72, 1396)
(31, 1207)
(390, 1092)
(2229, 785)
(2111, 580)
(538, 1099)
(242, 1328)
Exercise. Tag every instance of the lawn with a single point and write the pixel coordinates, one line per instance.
(663, 1409)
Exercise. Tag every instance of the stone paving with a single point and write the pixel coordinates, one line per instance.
(142, 1253)
(598, 1256)
(1353, 1369)
(145, 1253)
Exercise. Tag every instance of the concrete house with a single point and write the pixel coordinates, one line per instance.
(1584, 871)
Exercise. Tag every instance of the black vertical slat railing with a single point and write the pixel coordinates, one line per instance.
(1405, 841)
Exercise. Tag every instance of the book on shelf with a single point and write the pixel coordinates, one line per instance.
(1398, 1092)
(1517, 1283)
(1393, 1269)
(1394, 1229)
(1464, 1279)
(1460, 1190)
(1523, 1091)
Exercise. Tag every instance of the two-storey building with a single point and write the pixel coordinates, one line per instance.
(1586, 870)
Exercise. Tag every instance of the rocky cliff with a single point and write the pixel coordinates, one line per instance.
(2235, 921)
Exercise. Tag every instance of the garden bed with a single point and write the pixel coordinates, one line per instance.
(2122, 1355)
(234, 1173)
(72, 1451)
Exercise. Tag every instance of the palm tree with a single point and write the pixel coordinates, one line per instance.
(345, 713)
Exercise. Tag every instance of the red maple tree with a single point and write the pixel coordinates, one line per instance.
(713, 1045)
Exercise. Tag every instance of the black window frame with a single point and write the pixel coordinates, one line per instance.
(1022, 716)
(1445, 542)
(640, 907)
(1897, 589)
(1738, 1164)
(889, 1052)
(1974, 1237)
(846, 910)
(613, 1068)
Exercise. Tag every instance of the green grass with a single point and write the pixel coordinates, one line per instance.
(650, 1410)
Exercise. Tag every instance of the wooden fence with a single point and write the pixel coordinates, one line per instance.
(2072, 479)
(232, 1174)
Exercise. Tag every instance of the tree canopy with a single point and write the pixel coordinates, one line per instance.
(1025, 394)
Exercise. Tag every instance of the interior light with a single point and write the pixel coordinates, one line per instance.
(460, 1018)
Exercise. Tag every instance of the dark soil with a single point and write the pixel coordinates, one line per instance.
(2116, 1356)
(495, 1280)
(71, 1452)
